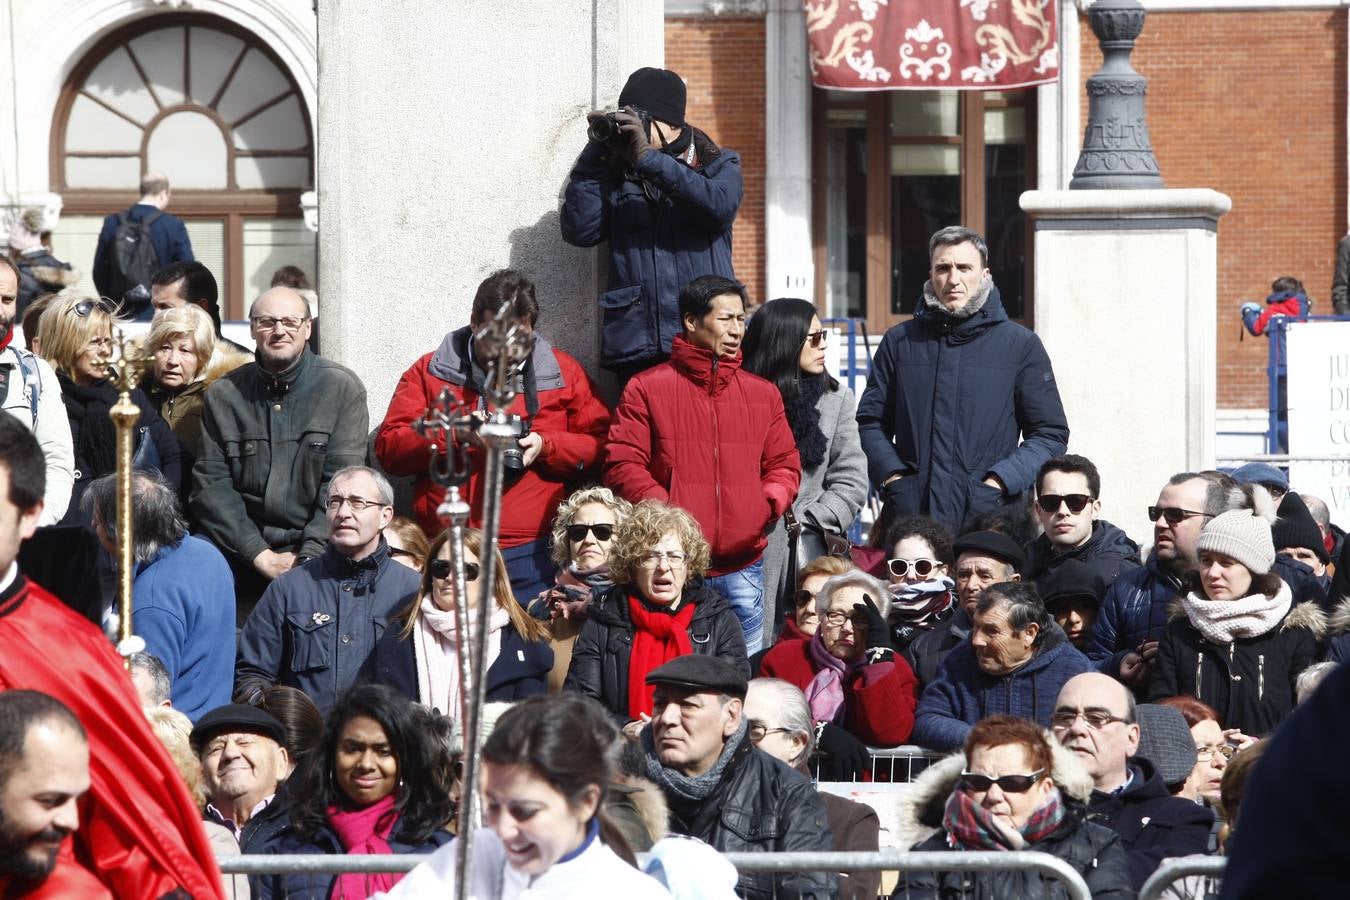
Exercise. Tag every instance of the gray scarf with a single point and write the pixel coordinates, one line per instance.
(973, 305)
(700, 787)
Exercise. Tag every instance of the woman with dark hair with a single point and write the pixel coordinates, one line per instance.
(785, 343)
(1013, 787)
(919, 561)
(418, 653)
(299, 715)
(1236, 640)
(376, 785)
(547, 767)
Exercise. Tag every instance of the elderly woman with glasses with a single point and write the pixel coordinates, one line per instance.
(659, 609)
(1214, 747)
(77, 341)
(419, 653)
(1012, 788)
(584, 532)
(849, 669)
(785, 343)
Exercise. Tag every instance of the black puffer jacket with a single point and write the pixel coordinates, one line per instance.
(761, 805)
(1093, 850)
(1250, 682)
(1109, 551)
(600, 656)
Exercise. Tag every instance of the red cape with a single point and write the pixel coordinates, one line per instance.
(139, 832)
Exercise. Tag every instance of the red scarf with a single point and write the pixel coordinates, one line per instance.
(364, 831)
(658, 638)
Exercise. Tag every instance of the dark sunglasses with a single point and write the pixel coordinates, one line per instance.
(602, 531)
(1009, 784)
(440, 569)
(803, 597)
(922, 567)
(85, 307)
(817, 338)
(1050, 502)
(1174, 515)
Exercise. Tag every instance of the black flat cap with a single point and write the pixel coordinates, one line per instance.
(990, 543)
(236, 717)
(1071, 580)
(701, 673)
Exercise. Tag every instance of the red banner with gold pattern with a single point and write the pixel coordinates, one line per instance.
(878, 45)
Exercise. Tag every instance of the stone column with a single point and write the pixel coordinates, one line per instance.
(446, 132)
(1126, 293)
(790, 271)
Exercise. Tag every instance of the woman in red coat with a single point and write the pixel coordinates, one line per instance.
(849, 670)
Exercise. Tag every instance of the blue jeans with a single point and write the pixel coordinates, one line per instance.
(531, 568)
(744, 590)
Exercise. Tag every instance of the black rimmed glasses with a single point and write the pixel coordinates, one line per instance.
(358, 504)
(1008, 784)
(1174, 515)
(603, 531)
(440, 570)
(1051, 502)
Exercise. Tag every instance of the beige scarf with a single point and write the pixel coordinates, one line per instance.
(437, 654)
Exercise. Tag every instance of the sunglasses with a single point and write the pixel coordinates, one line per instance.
(1008, 784)
(1050, 502)
(817, 338)
(803, 597)
(1174, 515)
(922, 567)
(440, 570)
(85, 307)
(602, 531)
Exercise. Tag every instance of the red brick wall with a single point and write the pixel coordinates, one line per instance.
(1252, 104)
(722, 60)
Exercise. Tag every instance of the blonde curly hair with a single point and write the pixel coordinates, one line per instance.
(650, 521)
(622, 509)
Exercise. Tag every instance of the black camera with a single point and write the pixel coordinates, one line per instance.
(513, 459)
(605, 130)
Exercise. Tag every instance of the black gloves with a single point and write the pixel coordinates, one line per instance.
(879, 647)
(635, 136)
(842, 756)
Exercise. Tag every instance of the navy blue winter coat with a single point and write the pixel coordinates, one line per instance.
(167, 233)
(1109, 553)
(319, 886)
(664, 230)
(951, 401)
(962, 694)
(1134, 610)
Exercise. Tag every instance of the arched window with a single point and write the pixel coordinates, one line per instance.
(213, 108)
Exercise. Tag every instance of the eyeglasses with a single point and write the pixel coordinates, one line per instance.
(1225, 750)
(1096, 719)
(817, 338)
(759, 731)
(1050, 502)
(288, 323)
(836, 619)
(803, 597)
(440, 569)
(602, 531)
(358, 504)
(922, 567)
(85, 307)
(1009, 784)
(1173, 514)
(674, 558)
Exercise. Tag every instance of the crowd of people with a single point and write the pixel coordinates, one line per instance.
(682, 636)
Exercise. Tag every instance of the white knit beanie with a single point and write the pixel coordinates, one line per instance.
(1240, 535)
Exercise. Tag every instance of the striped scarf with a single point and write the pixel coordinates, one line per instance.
(970, 826)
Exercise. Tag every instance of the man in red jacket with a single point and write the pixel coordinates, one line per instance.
(700, 433)
(566, 420)
(139, 831)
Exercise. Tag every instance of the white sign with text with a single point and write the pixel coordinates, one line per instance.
(1318, 355)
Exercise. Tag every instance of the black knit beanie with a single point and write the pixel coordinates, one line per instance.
(659, 92)
(1296, 527)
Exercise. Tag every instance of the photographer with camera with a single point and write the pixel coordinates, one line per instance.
(560, 419)
(664, 196)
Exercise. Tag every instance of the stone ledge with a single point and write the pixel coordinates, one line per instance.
(1157, 204)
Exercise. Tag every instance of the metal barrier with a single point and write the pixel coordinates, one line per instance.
(895, 764)
(890, 860)
(1210, 868)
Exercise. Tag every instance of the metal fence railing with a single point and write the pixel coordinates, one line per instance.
(893, 763)
(1186, 878)
(976, 863)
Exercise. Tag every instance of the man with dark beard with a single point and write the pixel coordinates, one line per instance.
(44, 771)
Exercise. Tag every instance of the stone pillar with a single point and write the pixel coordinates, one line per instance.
(789, 263)
(446, 132)
(1126, 293)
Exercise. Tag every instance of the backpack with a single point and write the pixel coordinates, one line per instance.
(32, 380)
(134, 260)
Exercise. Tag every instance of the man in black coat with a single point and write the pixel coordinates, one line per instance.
(961, 408)
(1067, 504)
(1095, 719)
(723, 790)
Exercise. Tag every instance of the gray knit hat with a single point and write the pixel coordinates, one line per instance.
(1240, 535)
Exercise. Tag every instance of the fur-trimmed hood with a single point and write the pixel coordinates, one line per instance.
(647, 799)
(920, 811)
(224, 360)
(1301, 615)
(1339, 620)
